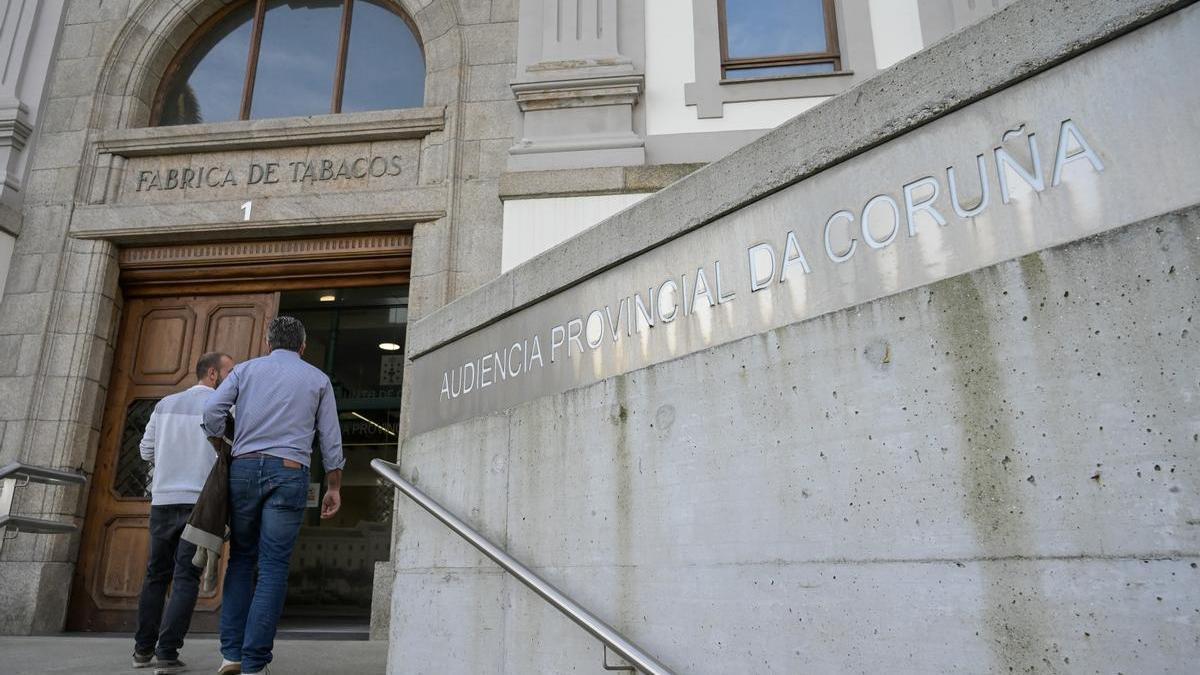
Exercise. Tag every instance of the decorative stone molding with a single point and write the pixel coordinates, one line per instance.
(333, 261)
(364, 127)
(14, 125)
(578, 93)
(124, 211)
(286, 216)
(579, 81)
(321, 248)
(15, 129)
(607, 180)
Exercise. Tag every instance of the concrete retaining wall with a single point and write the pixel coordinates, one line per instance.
(997, 471)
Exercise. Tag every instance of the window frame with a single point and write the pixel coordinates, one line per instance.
(260, 7)
(832, 56)
(709, 91)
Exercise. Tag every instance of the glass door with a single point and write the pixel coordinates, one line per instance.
(356, 336)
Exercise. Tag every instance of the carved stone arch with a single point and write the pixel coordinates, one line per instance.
(157, 30)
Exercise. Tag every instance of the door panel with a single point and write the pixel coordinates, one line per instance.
(234, 328)
(157, 348)
(126, 550)
(163, 341)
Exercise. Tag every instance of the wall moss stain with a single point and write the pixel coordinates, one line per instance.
(992, 499)
(624, 502)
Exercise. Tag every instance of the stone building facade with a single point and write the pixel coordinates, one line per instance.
(560, 152)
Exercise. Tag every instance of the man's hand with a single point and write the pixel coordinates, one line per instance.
(333, 496)
(330, 504)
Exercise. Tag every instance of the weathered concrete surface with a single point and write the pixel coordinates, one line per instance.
(1000, 470)
(90, 655)
(1017, 42)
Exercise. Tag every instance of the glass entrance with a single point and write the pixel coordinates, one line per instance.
(356, 336)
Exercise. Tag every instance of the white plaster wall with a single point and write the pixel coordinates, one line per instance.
(6, 249)
(532, 226)
(895, 29)
(24, 71)
(671, 62)
(36, 60)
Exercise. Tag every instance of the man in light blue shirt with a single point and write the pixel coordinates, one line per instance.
(283, 404)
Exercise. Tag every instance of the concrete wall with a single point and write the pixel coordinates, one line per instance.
(994, 471)
(998, 470)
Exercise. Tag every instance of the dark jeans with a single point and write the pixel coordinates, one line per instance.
(170, 565)
(266, 508)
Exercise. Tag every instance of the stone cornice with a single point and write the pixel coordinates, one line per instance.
(578, 92)
(295, 215)
(14, 126)
(273, 133)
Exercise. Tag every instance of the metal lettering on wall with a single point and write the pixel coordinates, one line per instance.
(1051, 160)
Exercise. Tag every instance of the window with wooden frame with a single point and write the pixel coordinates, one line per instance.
(257, 59)
(777, 38)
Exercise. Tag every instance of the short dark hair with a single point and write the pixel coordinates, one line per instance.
(285, 332)
(210, 360)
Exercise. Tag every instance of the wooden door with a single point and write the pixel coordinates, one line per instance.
(159, 342)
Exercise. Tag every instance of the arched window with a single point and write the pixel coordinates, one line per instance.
(284, 58)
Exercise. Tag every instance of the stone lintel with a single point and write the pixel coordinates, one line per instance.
(292, 215)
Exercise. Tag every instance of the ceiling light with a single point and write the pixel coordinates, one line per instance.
(389, 346)
(328, 298)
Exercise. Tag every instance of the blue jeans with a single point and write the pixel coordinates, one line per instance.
(170, 564)
(266, 508)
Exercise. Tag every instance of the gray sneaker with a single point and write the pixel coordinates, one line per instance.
(169, 666)
(141, 660)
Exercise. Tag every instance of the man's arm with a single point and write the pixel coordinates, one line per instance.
(333, 496)
(330, 432)
(146, 447)
(218, 405)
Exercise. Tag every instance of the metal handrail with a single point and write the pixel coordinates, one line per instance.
(573, 611)
(16, 475)
(41, 474)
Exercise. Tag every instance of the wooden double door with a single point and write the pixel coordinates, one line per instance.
(181, 301)
(160, 340)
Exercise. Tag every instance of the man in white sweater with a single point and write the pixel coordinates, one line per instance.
(175, 441)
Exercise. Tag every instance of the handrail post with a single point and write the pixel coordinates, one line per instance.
(573, 611)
